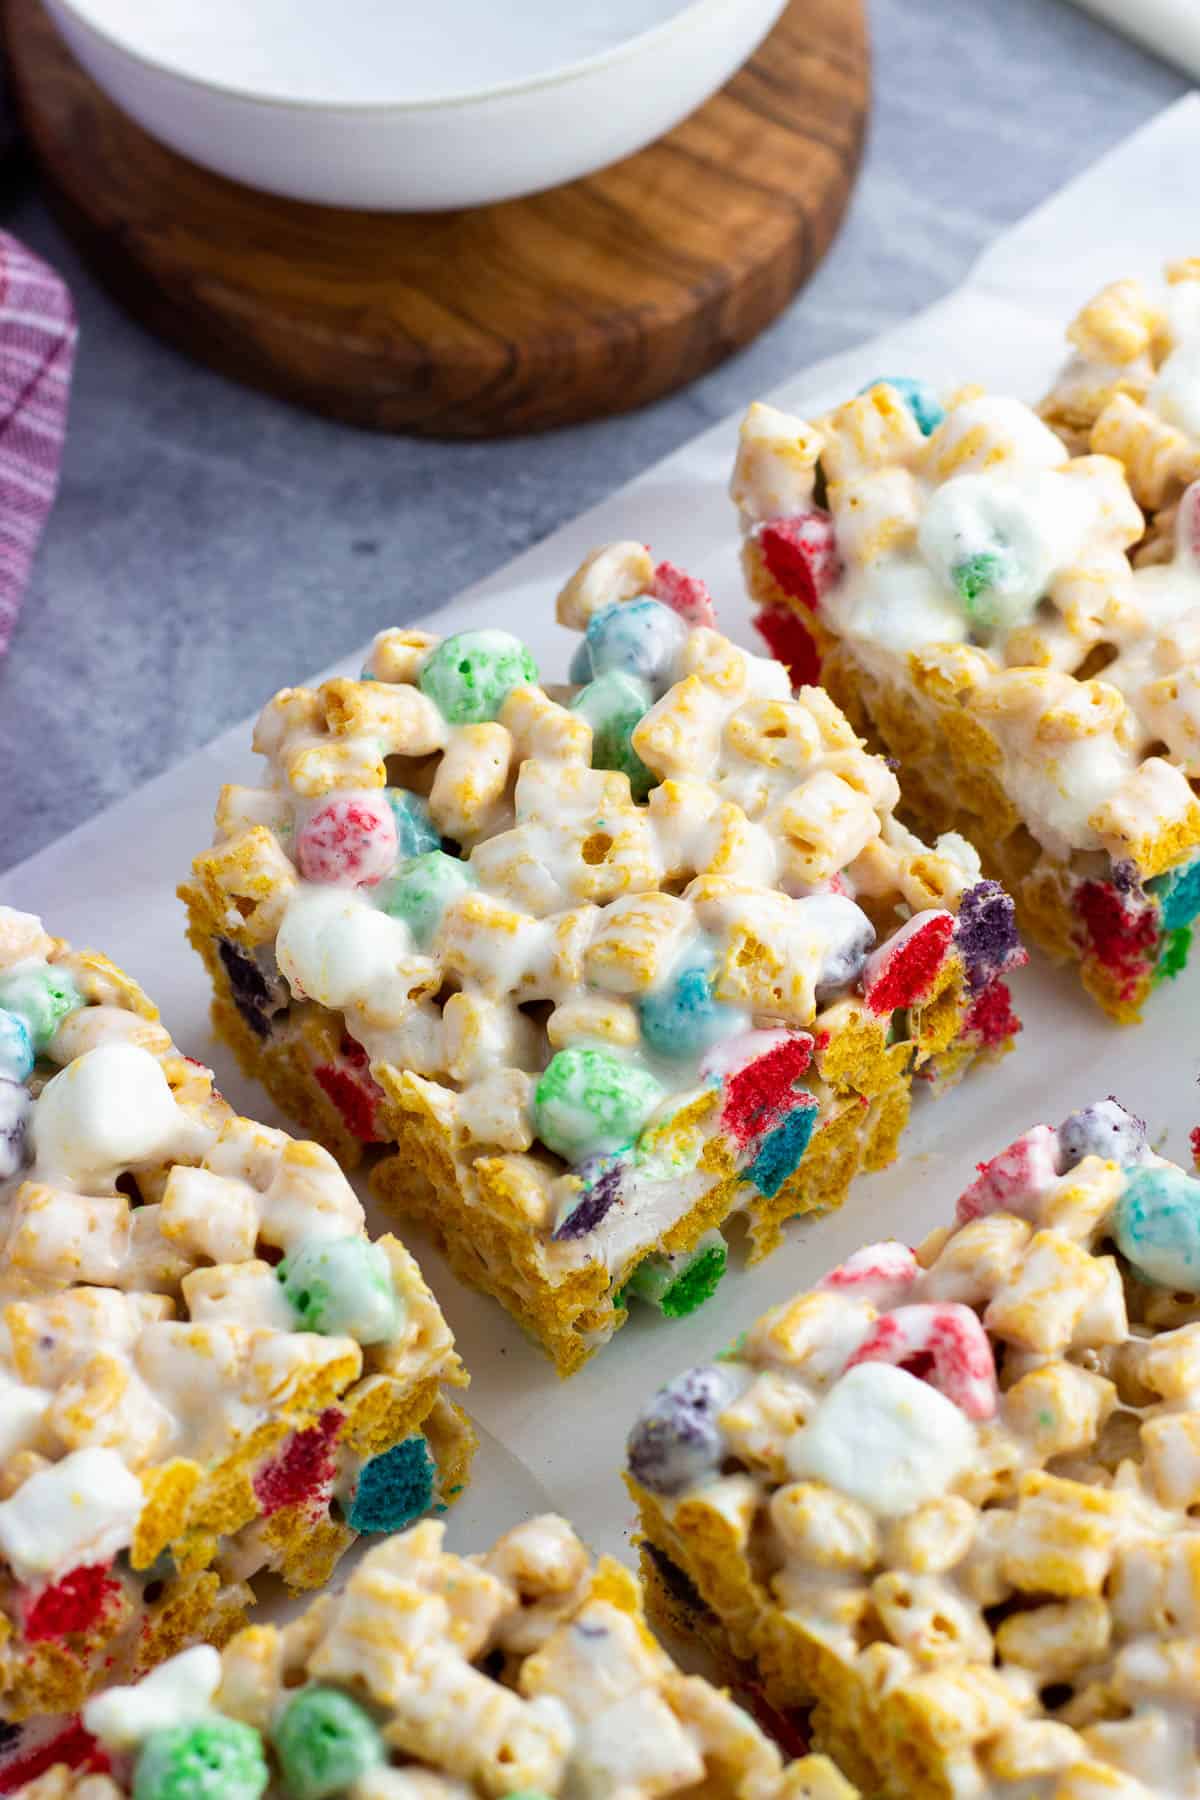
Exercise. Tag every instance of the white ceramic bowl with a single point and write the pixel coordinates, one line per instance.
(407, 108)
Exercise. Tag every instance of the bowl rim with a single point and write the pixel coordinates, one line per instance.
(561, 74)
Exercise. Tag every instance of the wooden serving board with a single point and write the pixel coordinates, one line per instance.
(588, 300)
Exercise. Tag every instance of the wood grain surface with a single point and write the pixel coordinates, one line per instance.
(589, 300)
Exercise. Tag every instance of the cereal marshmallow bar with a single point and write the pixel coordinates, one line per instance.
(527, 1672)
(1131, 390)
(951, 1499)
(208, 1371)
(963, 586)
(595, 972)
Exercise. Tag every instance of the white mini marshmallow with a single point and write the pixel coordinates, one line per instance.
(21, 1410)
(885, 1438)
(109, 1110)
(1036, 522)
(335, 947)
(178, 1693)
(81, 1510)
(1175, 391)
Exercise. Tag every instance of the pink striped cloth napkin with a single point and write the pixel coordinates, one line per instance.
(37, 352)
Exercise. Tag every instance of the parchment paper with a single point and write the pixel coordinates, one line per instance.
(111, 884)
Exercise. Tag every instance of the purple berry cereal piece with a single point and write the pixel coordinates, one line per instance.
(1106, 1129)
(677, 1442)
(258, 993)
(986, 933)
(604, 1174)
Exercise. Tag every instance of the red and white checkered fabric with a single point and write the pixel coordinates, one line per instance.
(37, 352)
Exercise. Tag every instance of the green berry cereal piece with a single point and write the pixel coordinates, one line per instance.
(979, 580)
(614, 705)
(342, 1287)
(469, 677)
(42, 995)
(324, 1741)
(216, 1759)
(590, 1102)
(422, 889)
(677, 1285)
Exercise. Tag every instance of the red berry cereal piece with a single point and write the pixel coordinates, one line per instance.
(944, 1345)
(801, 555)
(1123, 938)
(77, 1602)
(73, 1748)
(305, 1469)
(902, 971)
(1014, 1177)
(790, 642)
(350, 841)
(761, 1090)
(878, 1273)
(991, 1020)
(353, 1089)
(685, 594)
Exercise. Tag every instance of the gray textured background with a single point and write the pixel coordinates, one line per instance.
(210, 545)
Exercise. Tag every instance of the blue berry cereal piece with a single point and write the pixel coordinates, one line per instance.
(682, 1019)
(589, 1102)
(15, 1108)
(16, 1048)
(1157, 1226)
(677, 1442)
(1178, 894)
(918, 396)
(614, 705)
(42, 996)
(216, 1759)
(1103, 1129)
(342, 1287)
(324, 1741)
(258, 993)
(677, 1285)
(780, 1152)
(469, 677)
(416, 832)
(639, 637)
(422, 889)
(394, 1488)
